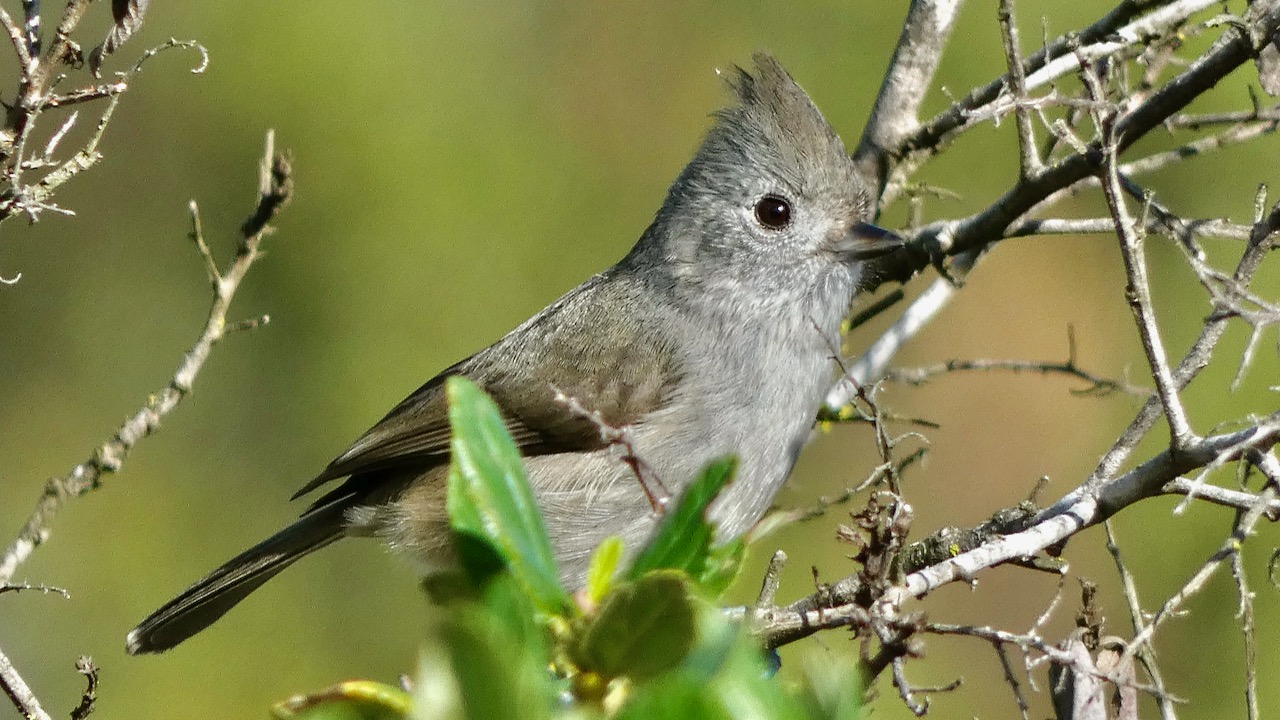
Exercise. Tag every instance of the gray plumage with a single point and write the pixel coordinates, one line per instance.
(713, 336)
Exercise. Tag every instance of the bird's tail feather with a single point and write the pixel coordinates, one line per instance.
(209, 599)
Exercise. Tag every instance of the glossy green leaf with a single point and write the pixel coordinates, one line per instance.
(644, 628)
(683, 540)
(489, 495)
(352, 700)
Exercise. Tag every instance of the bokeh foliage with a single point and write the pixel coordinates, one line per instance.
(459, 166)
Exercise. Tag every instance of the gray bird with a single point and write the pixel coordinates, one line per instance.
(715, 335)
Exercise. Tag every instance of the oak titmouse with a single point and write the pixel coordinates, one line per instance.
(715, 335)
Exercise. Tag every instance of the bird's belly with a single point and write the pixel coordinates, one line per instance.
(587, 497)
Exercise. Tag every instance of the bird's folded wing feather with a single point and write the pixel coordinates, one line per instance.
(621, 382)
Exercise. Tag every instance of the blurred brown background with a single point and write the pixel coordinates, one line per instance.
(459, 165)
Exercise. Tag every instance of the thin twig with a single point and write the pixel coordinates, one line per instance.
(1011, 680)
(1247, 629)
(19, 42)
(1088, 506)
(1138, 290)
(1030, 164)
(1146, 654)
(1194, 360)
(1208, 227)
(42, 589)
(1230, 546)
(1119, 24)
(1098, 386)
(34, 197)
(85, 667)
(955, 237)
(86, 94)
(110, 456)
(772, 579)
(875, 361)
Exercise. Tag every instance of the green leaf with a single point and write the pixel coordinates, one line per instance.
(644, 628)
(724, 676)
(835, 688)
(683, 540)
(509, 607)
(604, 565)
(723, 564)
(352, 700)
(472, 668)
(489, 495)
(745, 689)
(675, 697)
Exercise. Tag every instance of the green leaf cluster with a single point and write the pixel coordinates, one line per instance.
(644, 641)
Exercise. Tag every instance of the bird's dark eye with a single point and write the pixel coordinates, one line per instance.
(773, 212)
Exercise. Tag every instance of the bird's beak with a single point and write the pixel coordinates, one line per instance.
(865, 241)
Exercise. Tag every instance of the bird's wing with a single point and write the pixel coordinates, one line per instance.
(415, 432)
(620, 381)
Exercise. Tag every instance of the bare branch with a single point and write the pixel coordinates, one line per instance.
(1195, 359)
(1248, 630)
(19, 42)
(43, 589)
(1011, 680)
(895, 114)
(1230, 547)
(1147, 653)
(1208, 227)
(95, 92)
(1138, 289)
(953, 237)
(85, 667)
(19, 692)
(1083, 507)
(875, 360)
(772, 578)
(109, 457)
(1225, 497)
(1030, 164)
(1158, 22)
(1098, 386)
(937, 132)
(34, 198)
(1232, 136)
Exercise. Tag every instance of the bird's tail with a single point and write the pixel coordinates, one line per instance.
(209, 599)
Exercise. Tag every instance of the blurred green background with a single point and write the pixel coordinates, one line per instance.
(459, 165)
